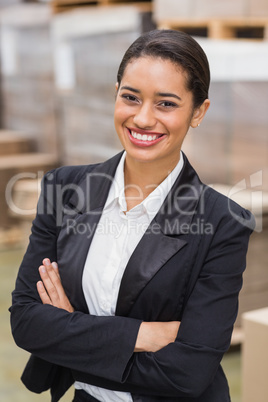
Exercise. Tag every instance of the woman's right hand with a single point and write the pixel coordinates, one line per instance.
(153, 336)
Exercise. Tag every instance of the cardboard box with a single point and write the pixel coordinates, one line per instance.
(255, 356)
(185, 9)
(87, 130)
(258, 8)
(27, 74)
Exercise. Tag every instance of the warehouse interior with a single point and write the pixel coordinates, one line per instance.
(58, 65)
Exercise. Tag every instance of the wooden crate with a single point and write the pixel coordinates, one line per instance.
(224, 28)
(34, 164)
(214, 18)
(15, 143)
(65, 5)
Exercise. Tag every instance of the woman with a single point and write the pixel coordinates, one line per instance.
(141, 303)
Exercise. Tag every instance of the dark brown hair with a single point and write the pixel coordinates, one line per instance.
(182, 50)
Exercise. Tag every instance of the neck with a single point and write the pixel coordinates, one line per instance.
(145, 176)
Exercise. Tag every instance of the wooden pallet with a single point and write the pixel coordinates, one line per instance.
(65, 5)
(247, 28)
(12, 142)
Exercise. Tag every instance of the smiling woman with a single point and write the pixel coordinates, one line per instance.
(135, 299)
(153, 112)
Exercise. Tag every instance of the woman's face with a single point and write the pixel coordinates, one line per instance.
(154, 110)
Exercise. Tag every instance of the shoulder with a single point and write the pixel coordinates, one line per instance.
(77, 174)
(213, 205)
(223, 210)
(65, 175)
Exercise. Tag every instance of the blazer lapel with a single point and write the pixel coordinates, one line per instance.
(82, 214)
(150, 255)
(163, 237)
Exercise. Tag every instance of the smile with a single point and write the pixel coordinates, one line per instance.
(143, 137)
(138, 137)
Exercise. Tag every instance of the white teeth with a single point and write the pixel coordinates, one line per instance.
(143, 137)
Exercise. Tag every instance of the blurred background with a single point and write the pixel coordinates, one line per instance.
(58, 65)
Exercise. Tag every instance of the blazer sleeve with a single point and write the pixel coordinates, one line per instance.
(75, 340)
(188, 366)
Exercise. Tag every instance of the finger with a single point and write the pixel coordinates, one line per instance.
(55, 266)
(49, 285)
(52, 269)
(55, 288)
(53, 272)
(42, 293)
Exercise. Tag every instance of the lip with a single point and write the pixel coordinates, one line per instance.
(142, 143)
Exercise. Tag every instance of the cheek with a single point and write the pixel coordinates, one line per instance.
(173, 124)
(120, 114)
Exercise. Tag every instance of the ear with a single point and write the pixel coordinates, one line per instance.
(199, 113)
(116, 90)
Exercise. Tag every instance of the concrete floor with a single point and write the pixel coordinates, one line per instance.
(13, 359)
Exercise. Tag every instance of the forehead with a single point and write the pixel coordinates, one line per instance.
(148, 69)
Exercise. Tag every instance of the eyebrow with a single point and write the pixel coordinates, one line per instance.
(131, 89)
(168, 95)
(163, 94)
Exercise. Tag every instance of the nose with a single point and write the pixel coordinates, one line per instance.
(144, 117)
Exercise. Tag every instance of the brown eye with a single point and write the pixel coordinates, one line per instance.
(168, 104)
(129, 98)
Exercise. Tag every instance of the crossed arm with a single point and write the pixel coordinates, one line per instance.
(152, 336)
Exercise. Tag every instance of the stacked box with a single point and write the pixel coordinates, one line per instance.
(249, 146)
(235, 126)
(176, 9)
(255, 356)
(27, 73)
(87, 129)
(213, 134)
(5, 3)
(91, 42)
(258, 8)
(254, 294)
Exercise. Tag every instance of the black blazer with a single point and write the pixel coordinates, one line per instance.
(188, 267)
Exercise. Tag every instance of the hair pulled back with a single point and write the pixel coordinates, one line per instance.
(181, 49)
